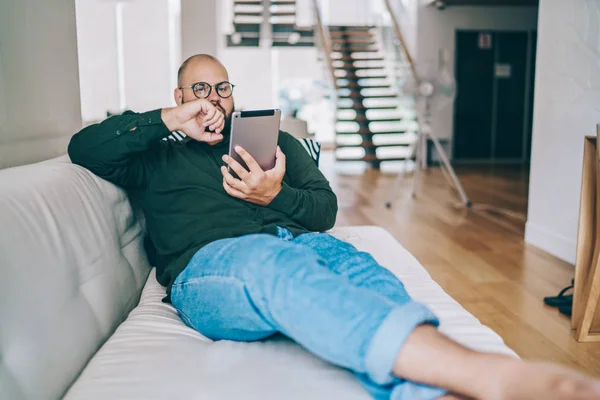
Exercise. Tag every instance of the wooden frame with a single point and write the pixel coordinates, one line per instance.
(585, 319)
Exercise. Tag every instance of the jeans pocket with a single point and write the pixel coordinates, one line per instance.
(175, 293)
(186, 320)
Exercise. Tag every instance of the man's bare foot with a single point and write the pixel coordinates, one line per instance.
(527, 381)
(433, 359)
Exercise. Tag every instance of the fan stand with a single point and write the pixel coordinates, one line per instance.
(425, 132)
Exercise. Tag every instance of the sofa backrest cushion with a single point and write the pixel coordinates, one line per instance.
(72, 266)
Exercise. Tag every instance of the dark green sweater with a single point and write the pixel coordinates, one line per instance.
(181, 187)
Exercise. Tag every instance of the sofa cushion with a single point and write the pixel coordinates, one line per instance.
(72, 268)
(154, 355)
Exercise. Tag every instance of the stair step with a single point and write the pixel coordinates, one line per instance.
(362, 118)
(341, 48)
(353, 28)
(350, 61)
(367, 96)
(336, 48)
(371, 157)
(341, 64)
(283, 2)
(247, 14)
(372, 96)
(283, 13)
(276, 20)
(247, 3)
(351, 68)
(354, 49)
(298, 44)
(284, 35)
(343, 43)
(358, 41)
(370, 145)
(353, 77)
(366, 131)
(248, 21)
(357, 86)
(338, 34)
(348, 58)
(361, 107)
(248, 8)
(304, 35)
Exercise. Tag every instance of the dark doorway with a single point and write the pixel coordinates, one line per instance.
(493, 108)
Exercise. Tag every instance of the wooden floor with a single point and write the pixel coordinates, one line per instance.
(479, 256)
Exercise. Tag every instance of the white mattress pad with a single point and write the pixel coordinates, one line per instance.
(154, 355)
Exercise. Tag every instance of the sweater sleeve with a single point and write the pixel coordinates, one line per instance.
(116, 149)
(307, 197)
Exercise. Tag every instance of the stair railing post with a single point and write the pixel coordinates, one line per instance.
(266, 32)
(325, 46)
(325, 43)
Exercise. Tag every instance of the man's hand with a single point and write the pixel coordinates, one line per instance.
(255, 186)
(198, 119)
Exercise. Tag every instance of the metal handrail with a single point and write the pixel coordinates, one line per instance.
(325, 41)
(392, 55)
(400, 37)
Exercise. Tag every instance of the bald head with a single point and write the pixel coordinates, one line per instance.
(203, 68)
(198, 62)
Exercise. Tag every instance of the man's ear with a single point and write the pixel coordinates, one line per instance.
(178, 96)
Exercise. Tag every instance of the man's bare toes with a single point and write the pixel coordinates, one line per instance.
(579, 388)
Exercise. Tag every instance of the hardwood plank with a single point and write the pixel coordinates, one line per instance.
(478, 256)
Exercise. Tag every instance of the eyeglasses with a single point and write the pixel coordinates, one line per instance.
(202, 89)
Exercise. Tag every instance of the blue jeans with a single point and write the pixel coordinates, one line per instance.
(323, 293)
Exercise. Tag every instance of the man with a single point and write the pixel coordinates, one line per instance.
(243, 259)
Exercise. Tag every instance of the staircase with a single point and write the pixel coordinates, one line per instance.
(249, 16)
(283, 24)
(371, 123)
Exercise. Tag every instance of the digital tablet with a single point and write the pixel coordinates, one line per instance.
(257, 132)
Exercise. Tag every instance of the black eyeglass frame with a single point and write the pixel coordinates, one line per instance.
(211, 88)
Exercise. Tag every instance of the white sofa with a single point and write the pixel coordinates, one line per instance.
(72, 322)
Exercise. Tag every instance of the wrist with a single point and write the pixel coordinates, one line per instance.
(275, 193)
(169, 119)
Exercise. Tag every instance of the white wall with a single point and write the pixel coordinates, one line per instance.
(129, 53)
(298, 69)
(305, 14)
(297, 64)
(250, 69)
(342, 13)
(39, 80)
(97, 47)
(199, 26)
(436, 31)
(406, 11)
(567, 107)
(149, 81)
(259, 73)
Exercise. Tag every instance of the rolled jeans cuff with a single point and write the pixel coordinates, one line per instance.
(391, 336)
